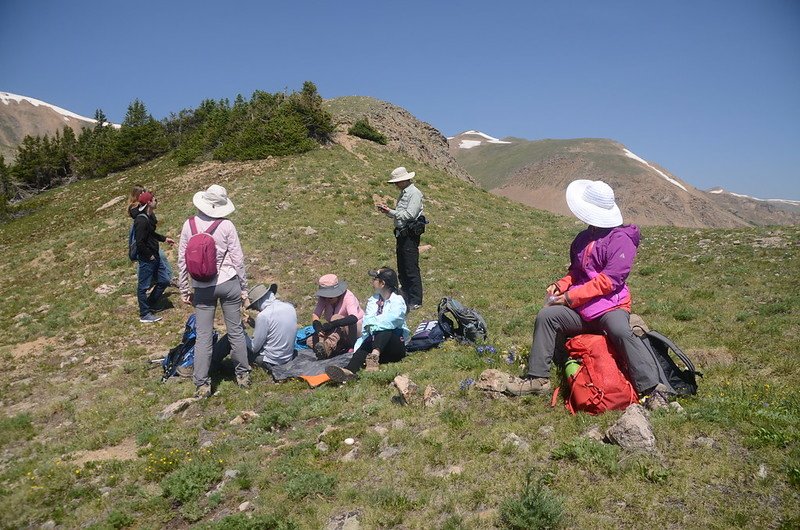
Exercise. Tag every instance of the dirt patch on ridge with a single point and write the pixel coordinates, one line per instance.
(126, 450)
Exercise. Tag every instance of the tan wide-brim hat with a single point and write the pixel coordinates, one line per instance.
(592, 201)
(330, 286)
(400, 174)
(214, 202)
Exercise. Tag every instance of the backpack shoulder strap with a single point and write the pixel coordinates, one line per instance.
(671, 345)
(214, 225)
(193, 225)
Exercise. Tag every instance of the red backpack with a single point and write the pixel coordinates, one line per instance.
(599, 385)
(201, 252)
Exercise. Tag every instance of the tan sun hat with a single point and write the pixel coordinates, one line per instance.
(400, 174)
(330, 286)
(214, 202)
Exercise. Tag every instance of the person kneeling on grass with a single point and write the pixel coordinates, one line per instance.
(593, 297)
(274, 330)
(344, 316)
(385, 332)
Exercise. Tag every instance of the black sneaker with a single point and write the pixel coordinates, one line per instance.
(339, 374)
(149, 318)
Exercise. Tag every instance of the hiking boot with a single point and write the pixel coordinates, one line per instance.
(243, 380)
(339, 374)
(415, 307)
(373, 363)
(203, 391)
(523, 386)
(320, 351)
(149, 318)
(656, 399)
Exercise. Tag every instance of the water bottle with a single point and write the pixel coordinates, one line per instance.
(571, 367)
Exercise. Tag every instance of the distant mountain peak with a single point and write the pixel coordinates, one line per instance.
(722, 191)
(472, 138)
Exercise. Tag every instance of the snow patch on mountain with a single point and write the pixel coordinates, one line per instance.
(719, 191)
(629, 154)
(489, 139)
(6, 98)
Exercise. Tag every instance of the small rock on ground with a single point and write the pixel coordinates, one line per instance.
(245, 417)
(431, 397)
(517, 441)
(246, 505)
(176, 408)
(407, 389)
(352, 455)
(705, 442)
(632, 430)
(676, 407)
(389, 452)
(344, 521)
(546, 431)
(492, 380)
(593, 433)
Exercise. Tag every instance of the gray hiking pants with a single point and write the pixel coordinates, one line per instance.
(229, 295)
(557, 322)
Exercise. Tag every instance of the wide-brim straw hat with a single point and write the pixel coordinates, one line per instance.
(400, 174)
(592, 201)
(330, 286)
(214, 202)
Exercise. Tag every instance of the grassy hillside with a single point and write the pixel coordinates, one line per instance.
(81, 445)
(492, 164)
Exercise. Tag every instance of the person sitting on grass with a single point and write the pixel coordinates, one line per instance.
(593, 297)
(385, 332)
(343, 314)
(274, 330)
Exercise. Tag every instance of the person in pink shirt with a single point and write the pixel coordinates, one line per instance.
(228, 287)
(340, 309)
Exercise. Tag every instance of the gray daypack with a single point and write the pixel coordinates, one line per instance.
(466, 324)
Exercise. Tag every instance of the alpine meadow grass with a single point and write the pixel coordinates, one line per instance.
(82, 445)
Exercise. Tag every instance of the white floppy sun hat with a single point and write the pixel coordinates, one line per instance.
(592, 201)
(214, 202)
(400, 174)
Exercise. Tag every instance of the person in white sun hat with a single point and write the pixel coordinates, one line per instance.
(593, 296)
(409, 224)
(210, 255)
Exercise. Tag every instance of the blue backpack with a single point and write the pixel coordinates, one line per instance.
(180, 359)
(428, 334)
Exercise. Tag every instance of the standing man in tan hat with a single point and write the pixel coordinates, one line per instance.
(210, 255)
(409, 224)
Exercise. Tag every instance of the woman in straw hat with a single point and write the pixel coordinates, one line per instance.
(228, 287)
(593, 296)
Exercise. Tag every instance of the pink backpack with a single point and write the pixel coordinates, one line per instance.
(201, 252)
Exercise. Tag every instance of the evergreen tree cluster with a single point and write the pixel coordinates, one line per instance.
(363, 129)
(266, 125)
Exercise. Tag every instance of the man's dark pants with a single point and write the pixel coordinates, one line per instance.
(408, 268)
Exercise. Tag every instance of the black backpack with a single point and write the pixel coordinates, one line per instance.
(682, 380)
(133, 252)
(467, 325)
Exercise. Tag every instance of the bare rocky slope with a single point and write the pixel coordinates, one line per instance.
(537, 172)
(404, 133)
(21, 116)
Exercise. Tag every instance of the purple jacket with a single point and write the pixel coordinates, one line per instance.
(600, 261)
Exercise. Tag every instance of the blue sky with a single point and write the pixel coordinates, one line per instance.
(710, 90)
